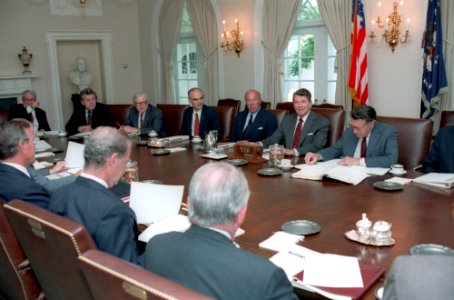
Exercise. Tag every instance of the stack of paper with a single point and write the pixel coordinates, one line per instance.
(443, 180)
(280, 241)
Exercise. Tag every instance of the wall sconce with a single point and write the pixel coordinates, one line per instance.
(82, 2)
(231, 40)
(391, 24)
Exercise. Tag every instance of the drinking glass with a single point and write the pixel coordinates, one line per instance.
(276, 154)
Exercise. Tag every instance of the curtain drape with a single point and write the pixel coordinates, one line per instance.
(336, 15)
(279, 18)
(169, 29)
(204, 23)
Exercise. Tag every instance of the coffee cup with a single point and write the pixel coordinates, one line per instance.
(286, 163)
(196, 139)
(397, 169)
(152, 133)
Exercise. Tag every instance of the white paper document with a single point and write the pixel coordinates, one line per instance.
(41, 145)
(292, 260)
(75, 155)
(332, 270)
(443, 180)
(155, 202)
(173, 223)
(280, 241)
(44, 154)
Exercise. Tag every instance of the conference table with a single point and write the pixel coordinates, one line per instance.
(419, 214)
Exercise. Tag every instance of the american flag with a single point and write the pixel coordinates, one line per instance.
(357, 82)
(434, 81)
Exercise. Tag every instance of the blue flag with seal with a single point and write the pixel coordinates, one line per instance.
(434, 82)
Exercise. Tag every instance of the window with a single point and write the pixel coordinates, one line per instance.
(308, 60)
(187, 60)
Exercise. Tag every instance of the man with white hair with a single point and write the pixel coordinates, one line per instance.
(205, 258)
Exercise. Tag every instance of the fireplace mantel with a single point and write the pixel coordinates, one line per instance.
(14, 85)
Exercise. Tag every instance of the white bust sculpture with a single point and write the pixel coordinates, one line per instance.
(79, 76)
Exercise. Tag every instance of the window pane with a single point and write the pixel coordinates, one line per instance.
(309, 10)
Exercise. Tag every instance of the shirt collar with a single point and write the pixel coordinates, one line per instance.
(94, 178)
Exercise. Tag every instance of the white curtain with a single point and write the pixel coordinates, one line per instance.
(169, 29)
(337, 15)
(203, 22)
(279, 19)
(447, 21)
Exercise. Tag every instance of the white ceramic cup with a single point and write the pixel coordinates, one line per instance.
(286, 163)
(397, 168)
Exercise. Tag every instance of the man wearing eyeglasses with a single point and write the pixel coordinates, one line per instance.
(143, 117)
(366, 142)
(29, 110)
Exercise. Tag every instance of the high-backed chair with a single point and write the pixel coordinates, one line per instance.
(227, 116)
(279, 114)
(111, 278)
(119, 112)
(447, 118)
(287, 106)
(230, 102)
(172, 117)
(328, 105)
(265, 104)
(17, 280)
(336, 118)
(413, 139)
(52, 244)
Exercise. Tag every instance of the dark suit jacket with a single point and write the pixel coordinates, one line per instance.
(209, 121)
(382, 148)
(420, 277)
(16, 185)
(152, 120)
(313, 136)
(19, 111)
(208, 262)
(111, 223)
(441, 156)
(263, 126)
(100, 117)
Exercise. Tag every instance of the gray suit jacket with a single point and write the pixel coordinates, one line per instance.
(420, 277)
(313, 136)
(152, 120)
(208, 262)
(382, 148)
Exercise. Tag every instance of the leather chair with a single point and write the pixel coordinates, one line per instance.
(287, 106)
(111, 278)
(447, 118)
(119, 112)
(336, 118)
(328, 105)
(265, 105)
(172, 117)
(413, 139)
(279, 114)
(17, 280)
(230, 102)
(52, 244)
(227, 116)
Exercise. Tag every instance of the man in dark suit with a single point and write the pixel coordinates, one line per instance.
(441, 156)
(205, 258)
(366, 142)
(420, 277)
(17, 152)
(88, 200)
(199, 119)
(303, 131)
(254, 123)
(143, 117)
(29, 110)
(90, 115)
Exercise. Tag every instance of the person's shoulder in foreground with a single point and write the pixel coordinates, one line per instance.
(208, 260)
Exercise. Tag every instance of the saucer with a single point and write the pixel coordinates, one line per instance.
(398, 173)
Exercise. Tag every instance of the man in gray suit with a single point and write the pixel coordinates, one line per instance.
(143, 117)
(302, 132)
(205, 258)
(366, 142)
(420, 277)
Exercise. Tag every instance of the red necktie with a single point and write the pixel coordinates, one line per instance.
(141, 120)
(196, 125)
(363, 147)
(89, 118)
(296, 136)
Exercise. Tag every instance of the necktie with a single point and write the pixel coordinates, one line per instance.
(141, 120)
(246, 129)
(363, 147)
(196, 125)
(31, 118)
(89, 118)
(296, 136)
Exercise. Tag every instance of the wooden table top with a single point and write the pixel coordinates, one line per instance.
(418, 214)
